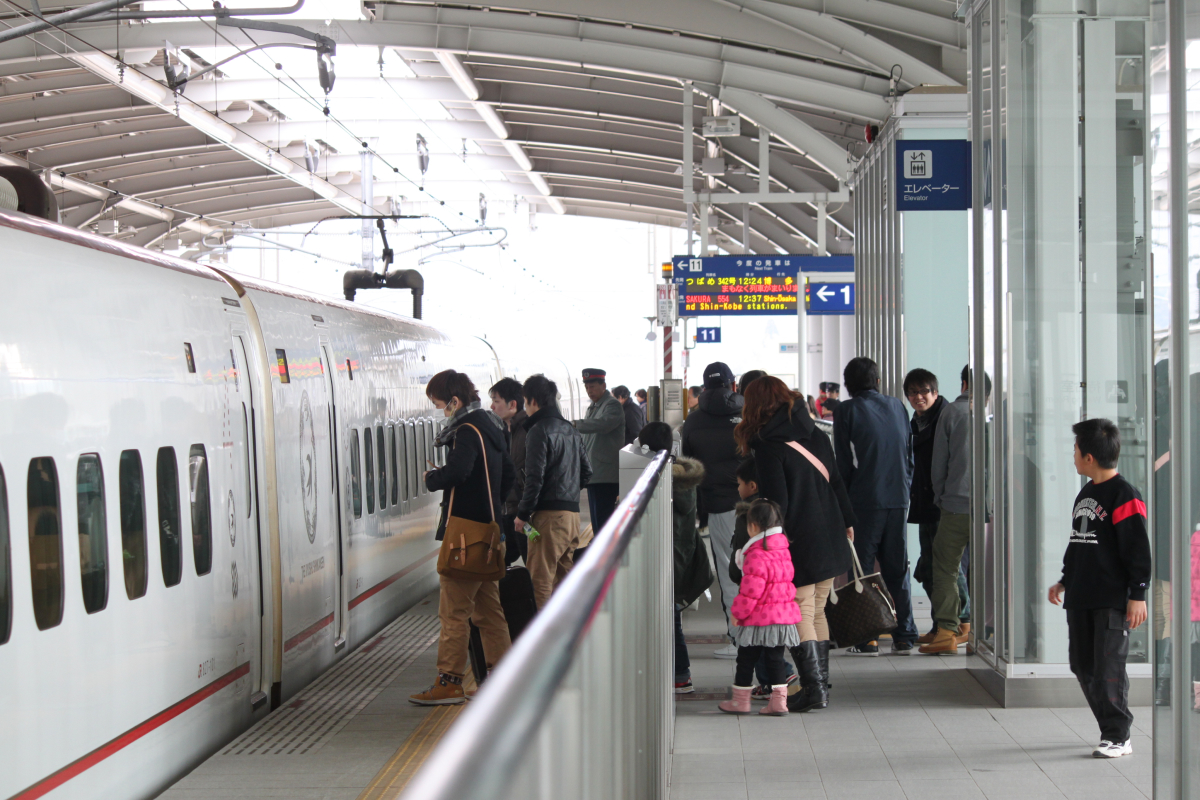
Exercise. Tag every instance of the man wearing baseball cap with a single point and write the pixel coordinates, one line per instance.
(707, 436)
(603, 429)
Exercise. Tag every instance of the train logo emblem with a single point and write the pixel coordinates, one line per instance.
(230, 519)
(308, 468)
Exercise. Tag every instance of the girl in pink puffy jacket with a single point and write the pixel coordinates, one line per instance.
(764, 610)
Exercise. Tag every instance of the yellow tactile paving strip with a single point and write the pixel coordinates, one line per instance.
(391, 779)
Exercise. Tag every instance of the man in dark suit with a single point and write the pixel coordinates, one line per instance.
(873, 442)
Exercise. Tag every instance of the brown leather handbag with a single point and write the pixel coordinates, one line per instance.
(472, 551)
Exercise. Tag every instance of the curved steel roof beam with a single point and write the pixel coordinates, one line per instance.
(935, 29)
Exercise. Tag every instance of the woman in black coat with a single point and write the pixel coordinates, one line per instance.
(478, 452)
(794, 461)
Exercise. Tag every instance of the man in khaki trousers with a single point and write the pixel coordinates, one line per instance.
(556, 466)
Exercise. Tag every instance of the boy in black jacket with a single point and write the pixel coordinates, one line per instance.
(1106, 570)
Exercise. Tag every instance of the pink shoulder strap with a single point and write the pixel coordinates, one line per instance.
(816, 462)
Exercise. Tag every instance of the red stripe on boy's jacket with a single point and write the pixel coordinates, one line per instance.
(1128, 510)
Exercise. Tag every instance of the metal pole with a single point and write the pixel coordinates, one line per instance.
(764, 160)
(691, 225)
(745, 229)
(822, 228)
(801, 337)
(704, 230)
(668, 342)
(689, 184)
(1181, 443)
(67, 16)
(368, 199)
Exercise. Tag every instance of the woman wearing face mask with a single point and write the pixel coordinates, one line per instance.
(478, 452)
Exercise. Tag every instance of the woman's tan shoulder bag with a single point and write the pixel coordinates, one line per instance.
(472, 551)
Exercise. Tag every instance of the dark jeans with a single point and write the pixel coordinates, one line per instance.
(747, 657)
(1099, 646)
(683, 664)
(882, 533)
(602, 499)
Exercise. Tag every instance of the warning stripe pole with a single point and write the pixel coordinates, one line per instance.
(668, 340)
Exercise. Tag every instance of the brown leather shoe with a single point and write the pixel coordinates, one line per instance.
(963, 629)
(944, 642)
(447, 690)
(926, 638)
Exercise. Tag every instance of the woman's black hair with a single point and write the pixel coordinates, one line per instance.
(448, 384)
(657, 436)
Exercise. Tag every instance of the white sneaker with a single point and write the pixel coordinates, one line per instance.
(728, 651)
(1107, 749)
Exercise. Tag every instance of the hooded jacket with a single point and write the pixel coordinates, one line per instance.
(693, 572)
(635, 419)
(556, 466)
(603, 429)
(816, 512)
(766, 595)
(921, 506)
(464, 471)
(707, 435)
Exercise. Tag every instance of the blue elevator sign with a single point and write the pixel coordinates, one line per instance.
(829, 298)
(708, 335)
(933, 175)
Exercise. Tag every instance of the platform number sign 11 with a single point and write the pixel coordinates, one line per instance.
(708, 335)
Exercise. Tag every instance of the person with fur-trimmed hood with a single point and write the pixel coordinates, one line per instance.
(693, 573)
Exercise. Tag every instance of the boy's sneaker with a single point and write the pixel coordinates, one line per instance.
(684, 686)
(869, 649)
(763, 693)
(1107, 749)
(901, 648)
(728, 651)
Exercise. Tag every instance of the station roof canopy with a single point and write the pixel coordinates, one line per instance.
(569, 106)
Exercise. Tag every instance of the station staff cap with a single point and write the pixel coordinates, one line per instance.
(593, 374)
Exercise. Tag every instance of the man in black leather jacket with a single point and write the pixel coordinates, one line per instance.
(707, 436)
(556, 467)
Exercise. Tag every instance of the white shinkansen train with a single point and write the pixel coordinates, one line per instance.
(209, 494)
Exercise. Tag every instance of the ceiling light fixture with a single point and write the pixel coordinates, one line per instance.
(458, 73)
(492, 119)
(518, 154)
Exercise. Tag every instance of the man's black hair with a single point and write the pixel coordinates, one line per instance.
(1100, 439)
(657, 436)
(541, 390)
(640, 394)
(749, 378)
(764, 514)
(987, 380)
(621, 392)
(694, 391)
(509, 390)
(746, 471)
(920, 379)
(861, 375)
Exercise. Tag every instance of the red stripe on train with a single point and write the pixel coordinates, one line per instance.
(307, 632)
(56, 779)
(379, 587)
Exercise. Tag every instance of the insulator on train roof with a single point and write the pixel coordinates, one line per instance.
(34, 197)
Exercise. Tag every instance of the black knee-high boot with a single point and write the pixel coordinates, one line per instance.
(812, 695)
(823, 657)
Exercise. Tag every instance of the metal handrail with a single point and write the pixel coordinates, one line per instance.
(480, 753)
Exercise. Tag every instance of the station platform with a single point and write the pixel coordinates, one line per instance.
(898, 727)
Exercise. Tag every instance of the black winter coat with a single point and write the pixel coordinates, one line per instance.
(635, 420)
(707, 436)
(464, 470)
(921, 507)
(556, 464)
(693, 573)
(816, 512)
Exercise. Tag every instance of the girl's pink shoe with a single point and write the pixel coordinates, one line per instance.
(777, 705)
(740, 704)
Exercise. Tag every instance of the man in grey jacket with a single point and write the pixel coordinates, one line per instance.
(603, 429)
(951, 478)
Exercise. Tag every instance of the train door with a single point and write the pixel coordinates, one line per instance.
(342, 620)
(240, 510)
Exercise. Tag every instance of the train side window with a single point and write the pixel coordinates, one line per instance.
(355, 485)
(133, 523)
(368, 454)
(201, 512)
(45, 542)
(395, 466)
(168, 516)
(429, 448)
(93, 532)
(383, 483)
(406, 453)
(5, 565)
